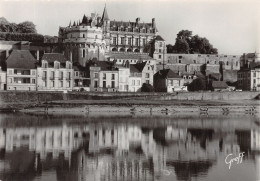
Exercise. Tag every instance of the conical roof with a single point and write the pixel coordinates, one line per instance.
(105, 15)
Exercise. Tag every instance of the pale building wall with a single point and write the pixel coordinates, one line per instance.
(15, 80)
(2, 79)
(135, 84)
(123, 74)
(61, 81)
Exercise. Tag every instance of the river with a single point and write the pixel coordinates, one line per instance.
(64, 147)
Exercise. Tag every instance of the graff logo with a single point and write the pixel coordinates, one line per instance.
(229, 160)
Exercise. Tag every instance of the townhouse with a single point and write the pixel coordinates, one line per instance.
(21, 71)
(55, 73)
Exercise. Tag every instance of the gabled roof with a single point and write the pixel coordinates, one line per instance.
(159, 38)
(167, 73)
(133, 69)
(219, 84)
(21, 59)
(140, 66)
(51, 57)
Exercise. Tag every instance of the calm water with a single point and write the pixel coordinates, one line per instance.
(128, 147)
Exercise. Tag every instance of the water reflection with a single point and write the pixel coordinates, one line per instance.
(122, 150)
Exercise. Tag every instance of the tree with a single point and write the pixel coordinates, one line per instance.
(147, 88)
(186, 43)
(181, 46)
(26, 27)
(197, 84)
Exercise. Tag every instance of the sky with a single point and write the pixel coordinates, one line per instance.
(233, 27)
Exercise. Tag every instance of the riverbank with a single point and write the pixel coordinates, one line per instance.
(128, 102)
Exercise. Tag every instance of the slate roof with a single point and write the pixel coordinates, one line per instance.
(167, 73)
(51, 57)
(134, 56)
(21, 59)
(159, 38)
(105, 15)
(219, 84)
(104, 65)
(134, 69)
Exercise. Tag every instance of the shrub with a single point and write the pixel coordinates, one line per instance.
(147, 88)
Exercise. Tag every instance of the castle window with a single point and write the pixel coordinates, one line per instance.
(83, 35)
(114, 40)
(160, 44)
(207, 62)
(236, 63)
(179, 61)
(215, 62)
(194, 61)
(96, 37)
(227, 63)
(83, 53)
(129, 41)
(122, 41)
(160, 56)
(180, 57)
(136, 41)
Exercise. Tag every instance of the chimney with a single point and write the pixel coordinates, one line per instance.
(137, 20)
(153, 22)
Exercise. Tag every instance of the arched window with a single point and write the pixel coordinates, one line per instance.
(114, 50)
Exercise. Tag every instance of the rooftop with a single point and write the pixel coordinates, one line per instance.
(125, 55)
(21, 59)
(51, 57)
(167, 73)
(219, 84)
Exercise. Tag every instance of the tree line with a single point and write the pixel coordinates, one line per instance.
(186, 43)
(25, 31)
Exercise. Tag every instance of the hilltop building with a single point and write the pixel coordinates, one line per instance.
(96, 35)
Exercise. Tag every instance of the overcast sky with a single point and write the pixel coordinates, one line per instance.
(231, 26)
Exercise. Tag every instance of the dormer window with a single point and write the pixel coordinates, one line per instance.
(68, 65)
(56, 65)
(44, 64)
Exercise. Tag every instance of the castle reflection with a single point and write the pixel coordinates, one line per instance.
(119, 151)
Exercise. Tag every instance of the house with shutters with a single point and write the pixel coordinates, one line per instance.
(54, 73)
(21, 71)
